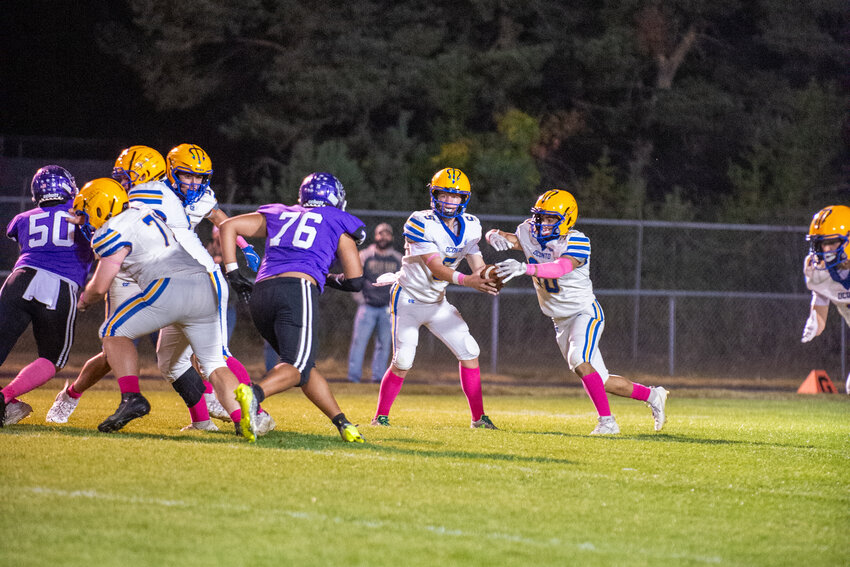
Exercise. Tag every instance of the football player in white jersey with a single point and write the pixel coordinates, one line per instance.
(143, 172)
(136, 165)
(436, 241)
(188, 170)
(175, 290)
(558, 259)
(827, 269)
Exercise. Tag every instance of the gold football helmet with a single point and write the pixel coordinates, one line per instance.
(99, 200)
(449, 180)
(830, 228)
(556, 202)
(138, 164)
(191, 160)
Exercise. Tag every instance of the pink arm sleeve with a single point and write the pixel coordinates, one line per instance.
(551, 270)
(241, 242)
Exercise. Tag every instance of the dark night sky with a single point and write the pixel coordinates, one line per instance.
(56, 82)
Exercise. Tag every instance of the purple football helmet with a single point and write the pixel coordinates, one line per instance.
(53, 183)
(320, 189)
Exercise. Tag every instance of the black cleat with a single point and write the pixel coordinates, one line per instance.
(132, 406)
(2, 409)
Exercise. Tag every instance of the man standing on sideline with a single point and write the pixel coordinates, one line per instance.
(373, 313)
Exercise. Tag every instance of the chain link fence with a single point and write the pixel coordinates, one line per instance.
(684, 299)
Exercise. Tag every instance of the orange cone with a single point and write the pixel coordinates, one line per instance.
(817, 382)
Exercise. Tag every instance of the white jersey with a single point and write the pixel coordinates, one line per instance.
(825, 287)
(425, 233)
(158, 196)
(154, 252)
(201, 209)
(571, 293)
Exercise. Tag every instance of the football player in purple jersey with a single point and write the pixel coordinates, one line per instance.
(42, 288)
(301, 243)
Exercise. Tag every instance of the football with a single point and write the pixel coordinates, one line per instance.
(489, 272)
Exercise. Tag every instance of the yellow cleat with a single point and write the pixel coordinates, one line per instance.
(349, 433)
(248, 405)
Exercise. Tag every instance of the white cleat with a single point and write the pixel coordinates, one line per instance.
(16, 411)
(607, 426)
(657, 402)
(265, 423)
(215, 408)
(63, 407)
(206, 425)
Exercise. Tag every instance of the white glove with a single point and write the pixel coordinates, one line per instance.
(810, 331)
(498, 241)
(509, 269)
(386, 279)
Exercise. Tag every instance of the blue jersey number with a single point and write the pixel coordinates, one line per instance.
(152, 220)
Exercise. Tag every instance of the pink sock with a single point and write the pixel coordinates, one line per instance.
(470, 383)
(240, 371)
(199, 411)
(72, 393)
(208, 387)
(129, 384)
(595, 388)
(29, 378)
(390, 387)
(640, 392)
(236, 415)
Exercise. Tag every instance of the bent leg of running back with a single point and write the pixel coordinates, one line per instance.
(449, 326)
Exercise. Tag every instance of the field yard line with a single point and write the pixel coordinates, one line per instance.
(437, 530)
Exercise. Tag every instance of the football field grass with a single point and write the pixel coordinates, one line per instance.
(754, 480)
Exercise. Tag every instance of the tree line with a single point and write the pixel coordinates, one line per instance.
(716, 110)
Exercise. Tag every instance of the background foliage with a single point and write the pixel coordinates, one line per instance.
(671, 109)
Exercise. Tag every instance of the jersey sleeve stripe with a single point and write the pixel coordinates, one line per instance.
(147, 201)
(419, 231)
(417, 223)
(102, 251)
(414, 237)
(106, 239)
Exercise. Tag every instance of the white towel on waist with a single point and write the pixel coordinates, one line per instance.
(44, 288)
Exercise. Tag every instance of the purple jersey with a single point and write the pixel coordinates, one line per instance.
(49, 242)
(303, 240)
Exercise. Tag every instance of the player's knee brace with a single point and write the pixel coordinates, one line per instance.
(190, 386)
(403, 357)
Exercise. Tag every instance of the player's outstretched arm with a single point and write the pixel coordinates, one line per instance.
(509, 269)
(501, 240)
(474, 280)
(217, 216)
(816, 322)
(251, 225)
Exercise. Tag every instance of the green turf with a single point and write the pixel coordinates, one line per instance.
(728, 482)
